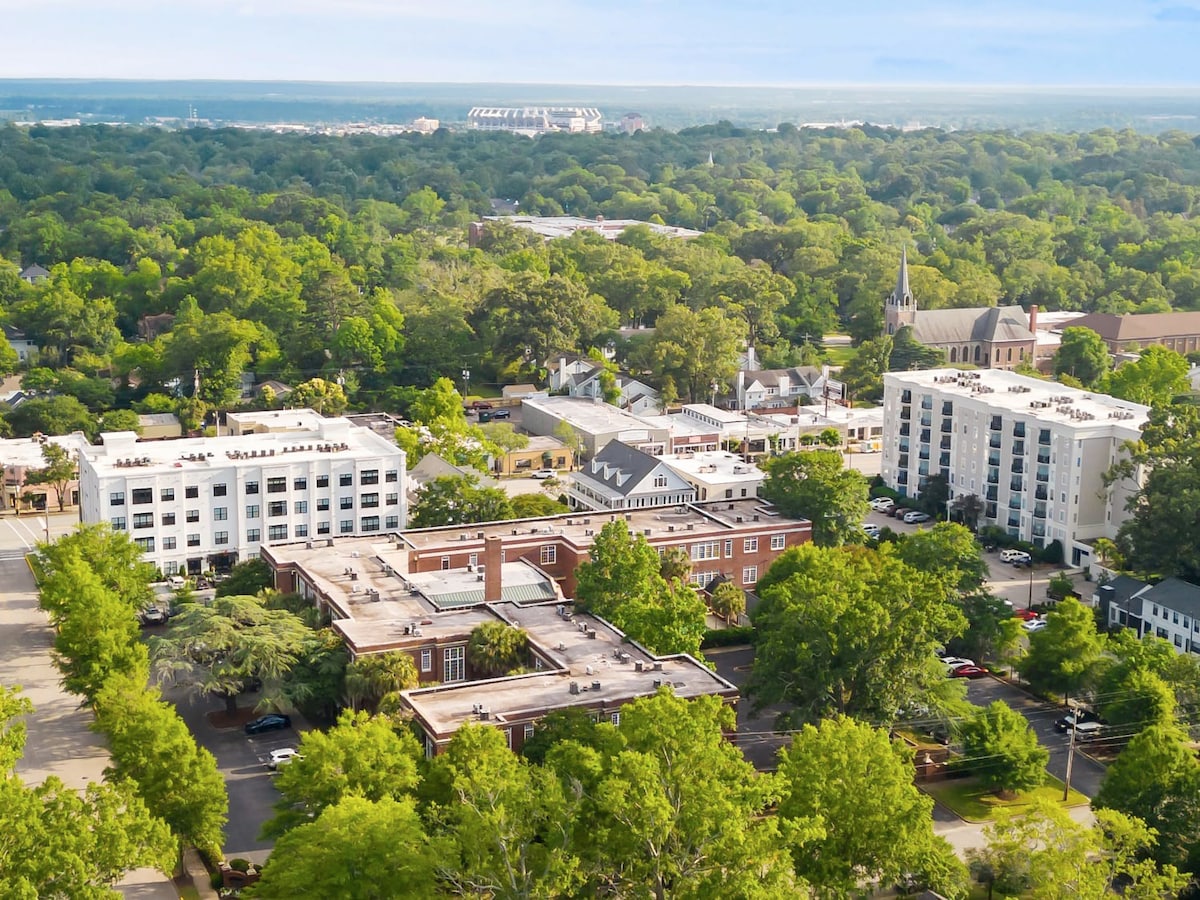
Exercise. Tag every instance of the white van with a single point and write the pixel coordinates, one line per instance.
(1088, 731)
(1013, 555)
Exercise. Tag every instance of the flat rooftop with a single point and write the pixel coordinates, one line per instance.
(586, 651)
(27, 452)
(1041, 400)
(121, 452)
(564, 226)
(717, 466)
(589, 415)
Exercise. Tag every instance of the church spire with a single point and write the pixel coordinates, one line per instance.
(902, 296)
(900, 308)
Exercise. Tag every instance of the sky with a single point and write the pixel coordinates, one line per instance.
(735, 42)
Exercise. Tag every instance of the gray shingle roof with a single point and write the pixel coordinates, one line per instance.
(1176, 595)
(1123, 593)
(959, 326)
(621, 467)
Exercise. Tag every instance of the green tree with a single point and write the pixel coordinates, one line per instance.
(316, 684)
(728, 601)
(1157, 377)
(1136, 700)
(325, 397)
(1002, 750)
(992, 630)
(217, 648)
(863, 374)
(855, 786)
(814, 485)
(535, 506)
(848, 631)
(150, 745)
(697, 349)
(120, 420)
(1063, 656)
(60, 470)
(504, 436)
(458, 500)
(496, 648)
(1156, 778)
(247, 578)
(574, 724)
(371, 678)
(51, 415)
(357, 849)
(1082, 354)
(949, 552)
(361, 756)
(675, 562)
(112, 555)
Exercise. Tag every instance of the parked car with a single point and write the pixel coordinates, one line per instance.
(282, 757)
(1012, 555)
(477, 405)
(176, 582)
(953, 662)
(269, 722)
(916, 517)
(543, 474)
(502, 414)
(1034, 625)
(880, 504)
(153, 615)
(968, 672)
(1027, 615)
(871, 530)
(1078, 717)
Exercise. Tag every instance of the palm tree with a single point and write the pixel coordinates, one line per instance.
(371, 678)
(728, 601)
(495, 648)
(1108, 554)
(969, 508)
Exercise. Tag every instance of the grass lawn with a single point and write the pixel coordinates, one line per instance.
(971, 801)
(840, 355)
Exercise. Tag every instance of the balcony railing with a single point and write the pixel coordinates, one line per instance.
(945, 445)
(1043, 457)
(1017, 484)
(905, 413)
(1018, 429)
(1018, 467)
(1039, 510)
(994, 442)
(993, 459)
(1041, 493)
(904, 430)
(991, 493)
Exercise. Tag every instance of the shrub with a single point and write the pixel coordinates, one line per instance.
(241, 865)
(727, 637)
(1052, 553)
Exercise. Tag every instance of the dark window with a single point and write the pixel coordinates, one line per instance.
(276, 485)
(277, 532)
(322, 528)
(393, 521)
(143, 520)
(322, 504)
(370, 523)
(300, 484)
(146, 543)
(346, 526)
(322, 481)
(368, 501)
(116, 498)
(346, 503)
(277, 508)
(193, 515)
(253, 535)
(390, 475)
(166, 494)
(142, 495)
(191, 492)
(369, 476)
(193, 540)
(218, 490)
(220, 537)
(345, 480)
(251, 487)
(168, 518)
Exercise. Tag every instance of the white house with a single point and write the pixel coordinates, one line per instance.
(1169, 610)
(1035, 452)
(26, 349)
(206, 503)
(774, 388)
(621, 477)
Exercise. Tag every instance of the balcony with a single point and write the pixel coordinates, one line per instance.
(902, 476)
(944, 460)
(926, 402)
(1041, 493)
(1018, 467)
(1043, 457)
(994, 442)
(923, 468)
(947, 408)
(1018, 429)
(924, 435)
(947, 426)
(1039, 510)
(926, 420)
(1018, 448)
(905, 413)
(1014, 502)
(993, 477)
(906, 396)
(1017, 484)
(1044, 437)
(1039, 531)
(903, 463)
(996, 424)
(994, 459)
(904, 430)
(924, 454)
(1043, 474)
(1014, 521)
(904, 445)
(945, 445)
(991, 493)
(990, 511)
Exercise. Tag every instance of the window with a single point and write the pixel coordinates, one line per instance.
(445, 563)
(168, 518)
(116, 498)
(454, 664)
(778, 541)
(220, 538)
(253, 535)
(528, 730)
(346, 503)
(251, 487)
(277, 532)
(301, 531)
(346, 526)
(300, 507)
(1174, 616)
(219, 490)
(369, 476)
(192, 492)
(146, 543)
(277, 508)
(1178, 641)
(660, 481)
(300, 484)
(192, 515)
(345, 480)
(549, 554)
(118, 523)
(728, 549)
(370, 523)
(221, 513)
(391, 475)
(615, 718)
(276, 485)
(702, 579)
(168, 543)
(368, 501)
(392, 522)
(749, 574)
(142, 495)
(193, 540)
(252, 512)
(166, 494)
(426, 660)
(323, 504)
(322, 528)
(143, 520)
(750, 545)
(322, 481)
(391, 499)
(707, 550)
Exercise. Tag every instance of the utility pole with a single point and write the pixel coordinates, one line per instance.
(1071, 751)
(1029, 604)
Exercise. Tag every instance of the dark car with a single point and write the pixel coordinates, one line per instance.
(1079, 716)
(502, 414)
(271, 722)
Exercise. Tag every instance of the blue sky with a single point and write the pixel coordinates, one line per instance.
(785, 42)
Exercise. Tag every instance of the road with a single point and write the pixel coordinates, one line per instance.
(59, 741)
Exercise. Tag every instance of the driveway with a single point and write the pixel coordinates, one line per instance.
(756, 736)
(1086, 774)
(58, 737)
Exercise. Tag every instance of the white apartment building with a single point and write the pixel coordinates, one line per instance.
(1035, 452)
(206, 503)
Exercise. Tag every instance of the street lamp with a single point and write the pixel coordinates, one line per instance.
(466, 374)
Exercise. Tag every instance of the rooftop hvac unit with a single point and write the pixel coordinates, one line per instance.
(657, 667)
(738, 519)
(574, 687)
(671, 528)
(638, 666)
(561, 647)
(595, 685)
(479, 577)
(588, 670)
(658, 682)
(647, 532)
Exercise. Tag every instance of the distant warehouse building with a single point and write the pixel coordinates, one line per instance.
(531, 120)
(1034, 452)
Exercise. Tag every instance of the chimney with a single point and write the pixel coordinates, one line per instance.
(492, 553)
(1033, 318)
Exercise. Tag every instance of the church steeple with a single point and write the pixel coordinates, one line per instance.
(900, 308)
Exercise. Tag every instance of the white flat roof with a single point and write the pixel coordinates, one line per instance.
(1042, 400)
(27, 452)
(713, 467)
(589, 415)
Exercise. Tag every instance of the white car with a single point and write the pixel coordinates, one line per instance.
(916, 517)
(1012, 555)
(1034, 624)
(871, 530)
(543, 474)
(953, 662)
(282, 757)
(882, 504)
